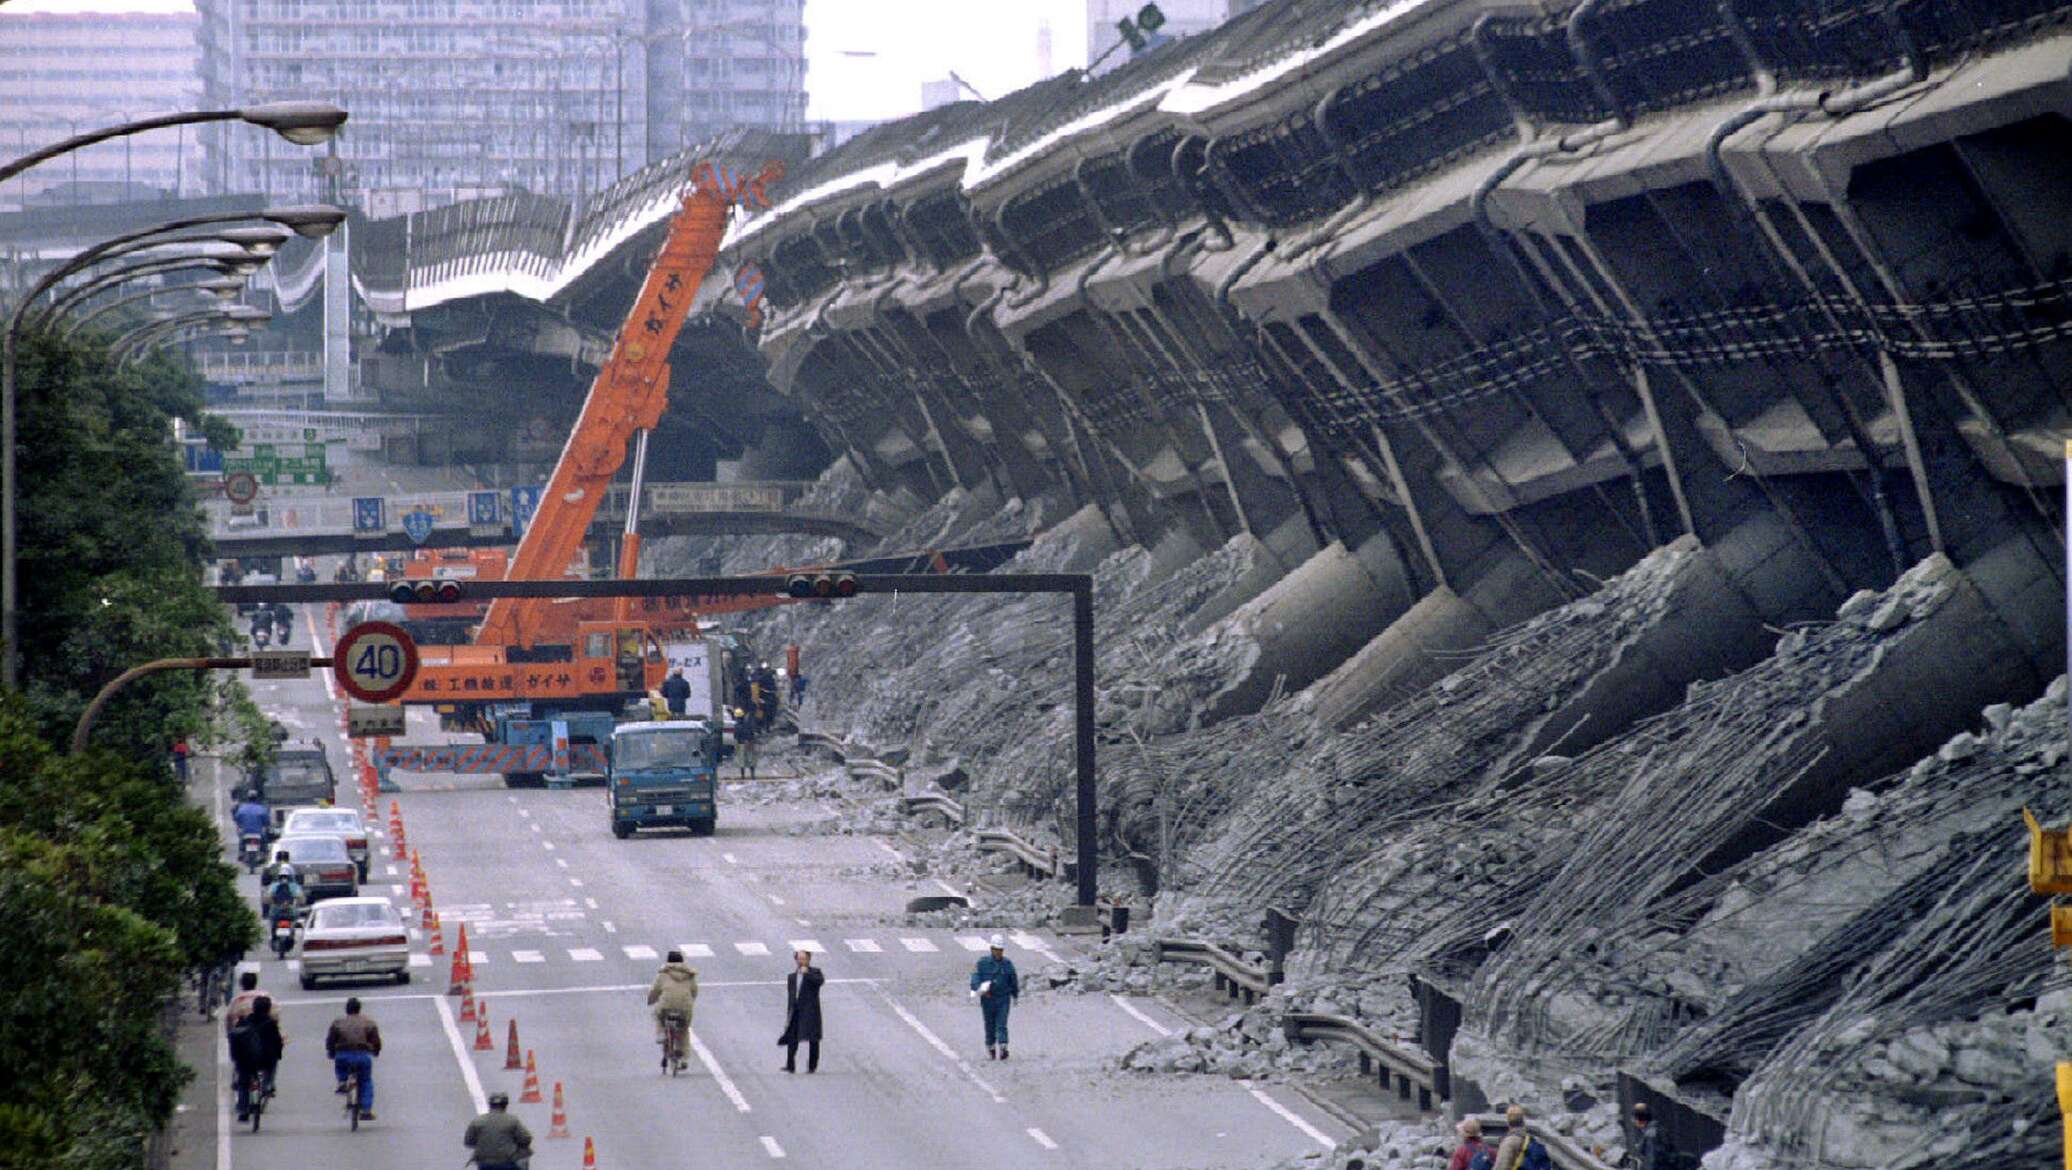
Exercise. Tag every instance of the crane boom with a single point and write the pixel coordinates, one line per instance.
(629, 394)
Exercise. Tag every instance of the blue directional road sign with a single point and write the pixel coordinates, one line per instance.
(417, 526)
(370, 514)
(524, 502)
(482, 509)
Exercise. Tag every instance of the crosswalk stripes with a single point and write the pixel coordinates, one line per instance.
(420, 959)
(971, 942)
(810, 945)
(528, 957)
(586, 955)
(695, 950)
(639, 952)
(749, 948)
(867, 946)
(919, 946)
(752, 948)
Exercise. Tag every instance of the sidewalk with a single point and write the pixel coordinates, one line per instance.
(196, 1131)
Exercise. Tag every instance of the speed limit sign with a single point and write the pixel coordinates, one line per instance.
(375, 661)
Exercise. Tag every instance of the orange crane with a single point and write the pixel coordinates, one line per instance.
(569, 653)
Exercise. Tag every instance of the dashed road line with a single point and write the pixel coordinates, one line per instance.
(1042, 1139)
(776, 901)
(547, 845)
(1140, 1015)
(460, 1053)
(576, 882)
(771, 1147)
(590, 902)
(729, 859)
(1286, 1114)
(611, 927)
(936, 1042)
(562, 862)
(719, 1075)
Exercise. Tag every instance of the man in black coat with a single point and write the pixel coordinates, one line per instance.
(802, 1013)
(676, 691)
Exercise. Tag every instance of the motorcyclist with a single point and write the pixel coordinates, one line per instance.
(250, 815)
(675, 991)
(282, 867)
(283, 622)
(500, 1141)
(283, 894)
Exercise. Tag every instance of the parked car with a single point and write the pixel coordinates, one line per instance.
(321, 860)
(338, 822)
(355, 938)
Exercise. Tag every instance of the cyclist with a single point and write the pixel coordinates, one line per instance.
(255, 1049)
(500, 1141)
(352, 1044)
(674, 995)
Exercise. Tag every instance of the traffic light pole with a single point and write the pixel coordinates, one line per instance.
(1080, 586)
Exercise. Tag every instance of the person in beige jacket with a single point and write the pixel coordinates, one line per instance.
(675, 990)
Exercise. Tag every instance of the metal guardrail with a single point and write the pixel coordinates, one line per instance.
(1036, 859)
(1409, 1069)
(1233, 974)
(1567, 1153)
(933, 802)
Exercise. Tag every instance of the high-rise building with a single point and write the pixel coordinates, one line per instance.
(450, 101)
(937, 94)
(1183, 18)
(65, 73)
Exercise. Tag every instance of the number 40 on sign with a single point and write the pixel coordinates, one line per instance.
(375, 661)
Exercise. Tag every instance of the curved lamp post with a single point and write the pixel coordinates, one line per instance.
(224, 258)
(302, 123)
(315, 220)
(222, 288)
(155, 330)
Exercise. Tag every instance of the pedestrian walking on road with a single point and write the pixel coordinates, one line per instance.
(1648, 1151)
(675, 990)
(352, 1044)
(1518, 1150)
(676, 691)
(500, 1141)
(746, 731)
(1471, 1145)
(802, 1013)
(996, 987)
(180, 753)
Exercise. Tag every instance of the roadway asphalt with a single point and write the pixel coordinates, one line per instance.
(567, 925)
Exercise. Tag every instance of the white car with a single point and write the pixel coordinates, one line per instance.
(355, 938)
(331, 822)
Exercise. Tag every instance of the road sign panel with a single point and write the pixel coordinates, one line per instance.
(417, 526)
(241, 487)
(524, 502)
(370, 514)
(280, 664)
(375, 661)
(482, 509)
(366, 722)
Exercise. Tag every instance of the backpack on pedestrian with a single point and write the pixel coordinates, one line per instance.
(1484, 1159)
(1536, 1156)
(247, 1044)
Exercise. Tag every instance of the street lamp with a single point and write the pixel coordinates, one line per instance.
(302, 123)
(311, 220)
(154, 330)
(222, 289)
(227, 259)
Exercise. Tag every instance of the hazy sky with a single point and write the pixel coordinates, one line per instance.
(913, 41)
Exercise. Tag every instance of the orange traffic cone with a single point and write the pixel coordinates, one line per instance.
(457, 976)
(511, 1060)
(430, 918)
(438, 939)
(558, 1126)
(484, 1042)
(531, 1095)
(589, 1154)
(467, 1003)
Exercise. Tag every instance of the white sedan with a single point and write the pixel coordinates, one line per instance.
(332, 822)
(355, 938)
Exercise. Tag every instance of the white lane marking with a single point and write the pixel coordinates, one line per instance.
(729, 859)
(478, 956)
(881, 843)
(590, 902)
(576, 882)
(523, 812)
(919, 946)
(460, 1053)
(809, 945)
(535, 992)
(547, 845)
(949, 889)
(562, 862)
(752, 948)
(225, 1090)
(1042, 1138)
(1288, 1115)
(947, 1053)
(719, 1075)
(802, 922)
(639, 951)
(586, 955)
(1141, 1016)
(868, 946)
(420, 960)
(528, 957)
(695, 950)
(610, 928)
(536, 827)
(391, 870)
(771, 1147)
(1030, 942)
(512, 799)
(971, 942)
(776, 901)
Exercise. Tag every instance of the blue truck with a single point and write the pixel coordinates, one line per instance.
(664, 773)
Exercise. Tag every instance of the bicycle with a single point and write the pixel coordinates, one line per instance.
(675, 1028)
(258, 1093)
(352, 1099)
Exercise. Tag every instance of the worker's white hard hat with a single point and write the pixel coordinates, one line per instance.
(998, 942)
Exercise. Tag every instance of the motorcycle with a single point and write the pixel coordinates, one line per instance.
(251, 849)
(262, 635)
(306, 574)
(283, 630)
(282, 937)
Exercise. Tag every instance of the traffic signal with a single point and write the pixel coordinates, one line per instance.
(808, 586)
(426, 592)
(1138, 32)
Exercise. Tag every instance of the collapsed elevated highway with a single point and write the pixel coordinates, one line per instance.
(1540, 465)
